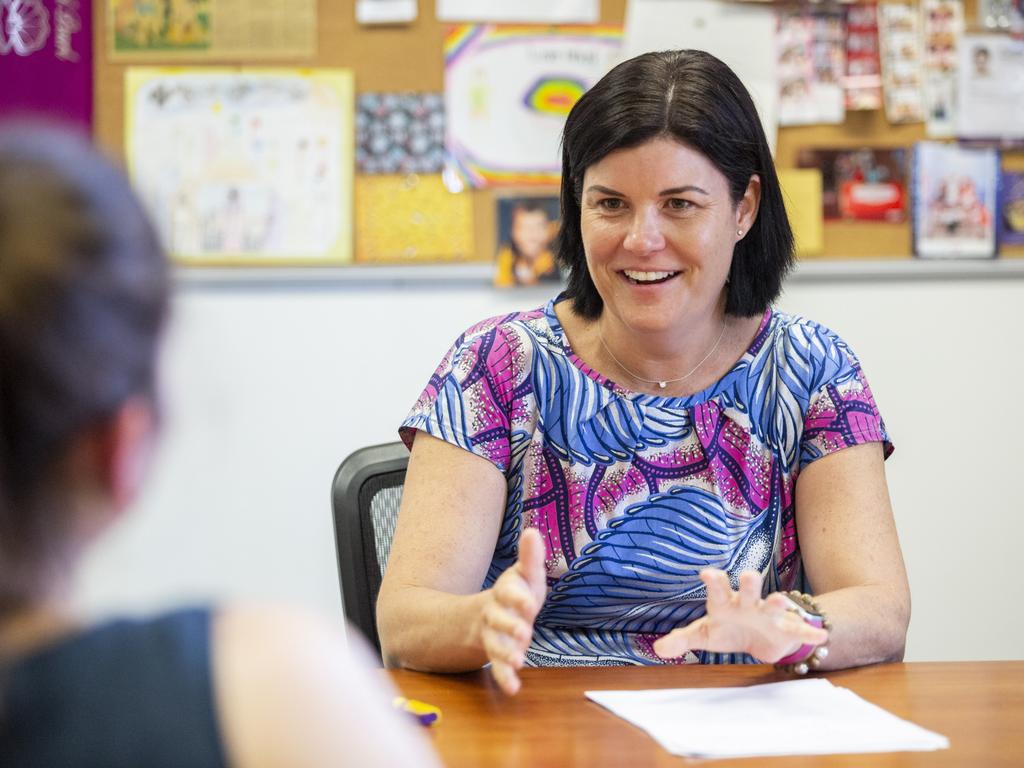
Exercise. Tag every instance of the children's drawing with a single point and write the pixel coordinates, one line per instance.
(244, 166)
(507, 92)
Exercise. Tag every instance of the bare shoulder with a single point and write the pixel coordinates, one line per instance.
(267, 630)
(290, 691)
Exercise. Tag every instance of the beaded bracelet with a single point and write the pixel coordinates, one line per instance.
(806, 657)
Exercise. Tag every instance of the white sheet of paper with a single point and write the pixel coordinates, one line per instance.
(990, 87)
(743, 36)
(520, 11)
(507, 90)
(386, 11)
(244, 165)
(796, 717)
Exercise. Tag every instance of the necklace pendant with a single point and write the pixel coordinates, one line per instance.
(662, 384)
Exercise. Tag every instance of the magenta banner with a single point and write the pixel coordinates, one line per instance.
(46, 59)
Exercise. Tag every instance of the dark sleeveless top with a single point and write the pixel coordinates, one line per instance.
(126, 693)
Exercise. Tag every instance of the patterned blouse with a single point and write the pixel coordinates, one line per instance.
(634, 494)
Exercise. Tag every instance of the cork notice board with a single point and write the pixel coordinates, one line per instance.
(410, 58)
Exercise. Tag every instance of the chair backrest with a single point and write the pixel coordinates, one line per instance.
(365, 497)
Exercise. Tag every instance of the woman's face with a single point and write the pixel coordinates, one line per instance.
(659, 228)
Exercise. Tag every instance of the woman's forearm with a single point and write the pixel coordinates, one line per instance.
(869, 625)
(429, 630)
(851, 554)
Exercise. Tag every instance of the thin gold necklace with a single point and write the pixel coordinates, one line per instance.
(662, 384)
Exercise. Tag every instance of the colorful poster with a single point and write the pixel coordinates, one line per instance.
(244, 166)
(1012, 209)
(812, 60)
(400, 133)
(954, 201)
(46, 59)
(527, 226)
(520, 11)
(990, 87)
(900, 43)
(943, 26)
(866, 184)
(507, 92)
(411, 219)
(161, 30)
(863, 66)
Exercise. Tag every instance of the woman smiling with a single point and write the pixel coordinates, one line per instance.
(656, 466)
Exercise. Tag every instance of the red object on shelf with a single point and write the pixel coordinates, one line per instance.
(867, 200)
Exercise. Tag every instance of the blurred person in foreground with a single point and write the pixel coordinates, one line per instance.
(84, 289)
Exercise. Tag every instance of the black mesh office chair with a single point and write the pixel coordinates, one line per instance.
(365, 496)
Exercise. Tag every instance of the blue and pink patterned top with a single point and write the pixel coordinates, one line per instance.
(633, 493)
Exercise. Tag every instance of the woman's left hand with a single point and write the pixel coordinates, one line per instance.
(742, 622)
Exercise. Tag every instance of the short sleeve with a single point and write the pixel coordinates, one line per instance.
(467, 401)
(841, 411)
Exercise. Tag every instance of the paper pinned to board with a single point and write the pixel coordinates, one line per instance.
(742, 36)
(386, 11)
(801, 194)
(795, 717)
(521, 11)
(244, 166)
(508, 89)
(205, 30)
(411, 219)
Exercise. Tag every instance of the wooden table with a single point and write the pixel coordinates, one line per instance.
(979, 706)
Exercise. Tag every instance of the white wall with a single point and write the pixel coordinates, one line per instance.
(270, 387)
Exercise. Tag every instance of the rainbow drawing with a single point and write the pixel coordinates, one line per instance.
(508, 89)
(554, 95)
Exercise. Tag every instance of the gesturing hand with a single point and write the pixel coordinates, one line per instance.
(741, 622)
(512, 605)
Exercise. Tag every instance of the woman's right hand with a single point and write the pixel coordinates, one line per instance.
(511, 607)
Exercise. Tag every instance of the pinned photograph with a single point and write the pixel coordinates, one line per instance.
(526, 230)
(943, 26)
(990, 87)
(863, 64)
(810, 67)
(954, 201)
(867, 184)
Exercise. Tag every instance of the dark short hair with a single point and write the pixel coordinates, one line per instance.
(531, 205)
(83, 298)
(697, 100)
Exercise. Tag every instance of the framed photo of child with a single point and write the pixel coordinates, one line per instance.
(527, 226)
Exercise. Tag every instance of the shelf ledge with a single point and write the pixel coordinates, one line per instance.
(479, 275)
